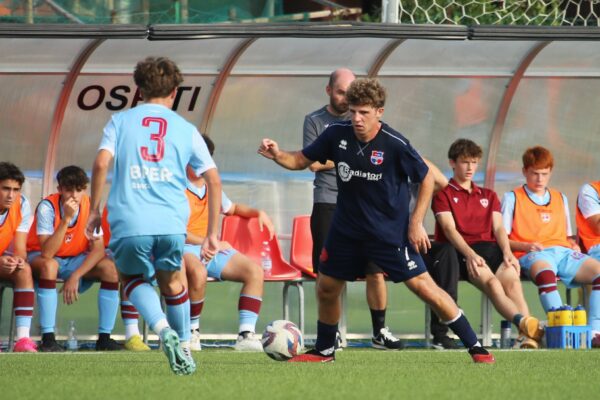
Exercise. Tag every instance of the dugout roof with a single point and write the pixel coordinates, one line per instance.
(507, 88)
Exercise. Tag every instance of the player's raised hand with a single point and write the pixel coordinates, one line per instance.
(268, 148)
(70, 207)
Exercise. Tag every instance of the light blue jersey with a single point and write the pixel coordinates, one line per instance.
(151, 144)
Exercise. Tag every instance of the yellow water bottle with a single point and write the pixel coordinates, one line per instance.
(565, 316)
(579, 316)
(557, 316)
(551, 316)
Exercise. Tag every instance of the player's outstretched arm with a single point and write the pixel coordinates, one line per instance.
(293, 160)
(99, 171)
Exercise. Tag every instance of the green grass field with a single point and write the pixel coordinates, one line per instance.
(356, 374)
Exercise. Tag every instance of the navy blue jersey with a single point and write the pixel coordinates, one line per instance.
(373, 189)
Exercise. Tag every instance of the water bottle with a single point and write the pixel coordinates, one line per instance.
(579, 316)
(552, 317)
(505, 332)
(565, 316)
(72, 338)
(265, 258)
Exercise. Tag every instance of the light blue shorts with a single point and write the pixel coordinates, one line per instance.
(66, 267)
(217, 264)
(144, 255)
(563, 261)
(594, 252)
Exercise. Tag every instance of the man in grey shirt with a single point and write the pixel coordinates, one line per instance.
(325, 197)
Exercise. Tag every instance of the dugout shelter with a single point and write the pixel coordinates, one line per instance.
(505, 87)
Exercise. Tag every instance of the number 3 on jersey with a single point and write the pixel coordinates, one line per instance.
(157, 136)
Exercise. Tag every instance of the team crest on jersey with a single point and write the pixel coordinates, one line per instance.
(343, 144)
(545, 217)
(455, 199)
(68, 237)
(484, 202)
(376, 157)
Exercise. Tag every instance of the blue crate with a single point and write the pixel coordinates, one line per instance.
(569, 337)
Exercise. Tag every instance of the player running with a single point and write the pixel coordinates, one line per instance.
(147, 209)
(371, 222)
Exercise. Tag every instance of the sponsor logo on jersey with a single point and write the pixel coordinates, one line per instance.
(346, 173)
(141, 175)
(376, 157)
(484, 202)
(343, 144)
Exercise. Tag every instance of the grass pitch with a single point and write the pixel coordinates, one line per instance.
(356, 374)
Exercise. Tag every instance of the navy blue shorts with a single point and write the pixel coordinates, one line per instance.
(346, 258)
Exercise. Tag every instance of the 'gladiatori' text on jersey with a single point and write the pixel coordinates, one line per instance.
(373, 189)
(151, 145)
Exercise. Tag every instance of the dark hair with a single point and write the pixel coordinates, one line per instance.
(157, 77)
(72, 177)
(209, 143)
(11, 171)
(464, 148)
(538, 157)
(366, 92)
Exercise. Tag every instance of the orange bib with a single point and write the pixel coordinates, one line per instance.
(198, 222)
(544, 224)
(585, 232)
(10, 225)
(74, 242)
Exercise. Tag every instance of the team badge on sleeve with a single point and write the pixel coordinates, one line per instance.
(376, 157)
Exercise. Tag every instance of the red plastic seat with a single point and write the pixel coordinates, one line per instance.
(245, 236)
(301, 246)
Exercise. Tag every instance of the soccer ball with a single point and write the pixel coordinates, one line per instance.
(282, 340)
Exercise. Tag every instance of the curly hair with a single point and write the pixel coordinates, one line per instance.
(157, 77)
(464, 148)
(9, 170)
(72, 177)
(366, 92)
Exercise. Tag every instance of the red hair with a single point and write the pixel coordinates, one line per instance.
(538, 157)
